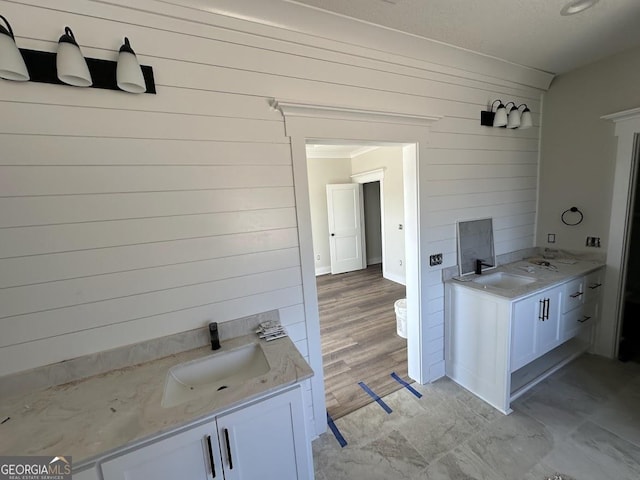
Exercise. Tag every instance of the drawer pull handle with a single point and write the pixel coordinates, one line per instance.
(226, 437)
(595, 285)
(576, 295)
(584, 319)
(213, 465)
(543, 304)
(548, 302)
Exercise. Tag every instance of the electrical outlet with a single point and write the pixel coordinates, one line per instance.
(593, 242)
(435, 259)
(551, 238)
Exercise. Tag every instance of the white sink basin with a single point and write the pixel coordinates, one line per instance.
(505, 281)
(212, 374)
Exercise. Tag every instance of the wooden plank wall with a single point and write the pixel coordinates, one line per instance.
(128, 217)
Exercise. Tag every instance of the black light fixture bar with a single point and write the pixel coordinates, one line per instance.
(486, 118)
(42, 69)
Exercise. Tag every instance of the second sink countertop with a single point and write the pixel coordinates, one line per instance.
(92, 417)
(544, 276)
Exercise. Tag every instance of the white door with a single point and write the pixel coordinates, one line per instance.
(346, 239)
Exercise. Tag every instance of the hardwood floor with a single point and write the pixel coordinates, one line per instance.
(359, 340)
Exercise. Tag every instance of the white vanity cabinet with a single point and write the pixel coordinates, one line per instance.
(265, 439)
(498, 347)
(88, 474)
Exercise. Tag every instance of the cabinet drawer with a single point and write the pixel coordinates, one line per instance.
(575, 320)
(593, 286)
(572, 294)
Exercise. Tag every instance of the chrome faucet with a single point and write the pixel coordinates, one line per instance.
(479, 265)
(213, 333)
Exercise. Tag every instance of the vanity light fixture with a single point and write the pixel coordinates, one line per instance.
(12, 66)
(509, 118)
(68, 66)
(70, 63)
(128, 72)
(489, 118)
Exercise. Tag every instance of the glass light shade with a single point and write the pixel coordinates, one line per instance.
(12, 66)
(514, 118)
(70, 63)
(526, 121)
(128, 72)
(500, 119)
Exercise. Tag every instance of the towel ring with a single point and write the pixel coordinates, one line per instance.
(572, 210)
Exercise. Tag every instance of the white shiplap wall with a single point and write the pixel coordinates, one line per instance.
(124, 218)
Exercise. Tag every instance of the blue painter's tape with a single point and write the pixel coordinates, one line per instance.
(372, 394)
(335, 431)
(397, 378)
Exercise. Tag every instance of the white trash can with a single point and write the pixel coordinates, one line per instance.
(401, 317)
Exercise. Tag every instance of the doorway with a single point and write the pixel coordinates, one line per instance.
(629, 344)
(358, 328)
(306, 123)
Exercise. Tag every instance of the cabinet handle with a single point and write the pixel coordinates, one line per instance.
(541, 314)
(595, 285)
(548, 302)
(213, 465)
(226, 438)
(576, 295)
(584, 319)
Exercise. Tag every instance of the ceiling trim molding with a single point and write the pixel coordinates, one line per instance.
(623, 115)
(301, 24)
(296, 109)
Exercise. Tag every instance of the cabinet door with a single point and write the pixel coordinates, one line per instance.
(190, 455)
(266, 440)
(548, 325)
(523, 331)
(535, 327)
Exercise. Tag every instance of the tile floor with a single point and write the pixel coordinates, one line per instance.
(583, 422)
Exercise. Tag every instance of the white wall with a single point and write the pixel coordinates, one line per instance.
(389, 159)
(323, 171)
(127, 217)
(578, 148)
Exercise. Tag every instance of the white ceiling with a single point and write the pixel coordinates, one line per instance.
(526, 32)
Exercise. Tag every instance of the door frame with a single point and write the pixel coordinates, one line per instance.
(627, 127)
(377, 175)
(330, 124)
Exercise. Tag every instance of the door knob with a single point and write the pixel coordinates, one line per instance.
(333, 234)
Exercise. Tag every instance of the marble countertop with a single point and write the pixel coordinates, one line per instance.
(94, 416)
(558, 270)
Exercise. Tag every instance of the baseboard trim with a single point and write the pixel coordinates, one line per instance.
(322, 271)
(395, 278)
